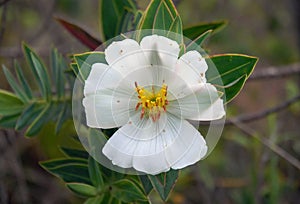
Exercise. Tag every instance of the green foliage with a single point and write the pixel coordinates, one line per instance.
(32, 110)
(232, 72)
(87, 178)
(117, 16)
(195, 31)
(162, 16)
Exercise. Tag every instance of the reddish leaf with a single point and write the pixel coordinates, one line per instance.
(80, 34)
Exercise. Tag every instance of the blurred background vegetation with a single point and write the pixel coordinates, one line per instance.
(242, 168)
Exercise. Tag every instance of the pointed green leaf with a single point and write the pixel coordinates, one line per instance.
(14, 85)
(75, 153)
(82, 189)
(95, 173)
(163, 16)
(195, 31)
(10, 104)
(58, 66)
(85, 61)
(164, 182)
(9, 121)
(28, 115)
(112, 16)
(196, 44)
(22, 80)
(43, 117)
(64, 115)
(126, 191)
(94, 200)
(69, 170)
(147, 185)
(39, 71)
(53, 163)
(109, 199)
(232, 72)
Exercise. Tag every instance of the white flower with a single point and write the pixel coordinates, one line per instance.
(150, 94)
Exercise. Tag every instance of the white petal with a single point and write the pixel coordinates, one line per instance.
(188, 147)
(201, 103)
(192, 67)
(154, 147)
(160, 50)
(107, 109)
(125, 56)
(138, 144)
(96, 74)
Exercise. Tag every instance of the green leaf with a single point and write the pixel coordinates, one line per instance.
(14, 85)
(147, 185)
(28, 115)
(65, 114)
(163, 16)
(9, 121)
(85, 61)
(126, 191)
(113, 13)
(163, 183)
(95, 173)
(196, 44)
(82, 189)
(43, 117)
(58, 67)
(94, 200)
(109, 199)
(232, 72)
(195, 31)
(39, 72)
(75, 153)
(58, 162)
(22, 80)
(10, 104)
(69, 170)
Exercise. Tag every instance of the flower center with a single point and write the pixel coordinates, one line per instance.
(152, 102)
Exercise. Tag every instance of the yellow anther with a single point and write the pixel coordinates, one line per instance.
(152, 103)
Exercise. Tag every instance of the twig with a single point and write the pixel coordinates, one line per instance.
(259, 115)
(276, 72)
(278, 150)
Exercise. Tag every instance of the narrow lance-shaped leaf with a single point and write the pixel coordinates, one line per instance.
(79, 33)
(28, 115)
(39, 72)
(95, 173)
(57, 73)
(43, 117)
(22, 80)
(14, 85)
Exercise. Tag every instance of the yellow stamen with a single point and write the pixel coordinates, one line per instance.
(152, 103)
